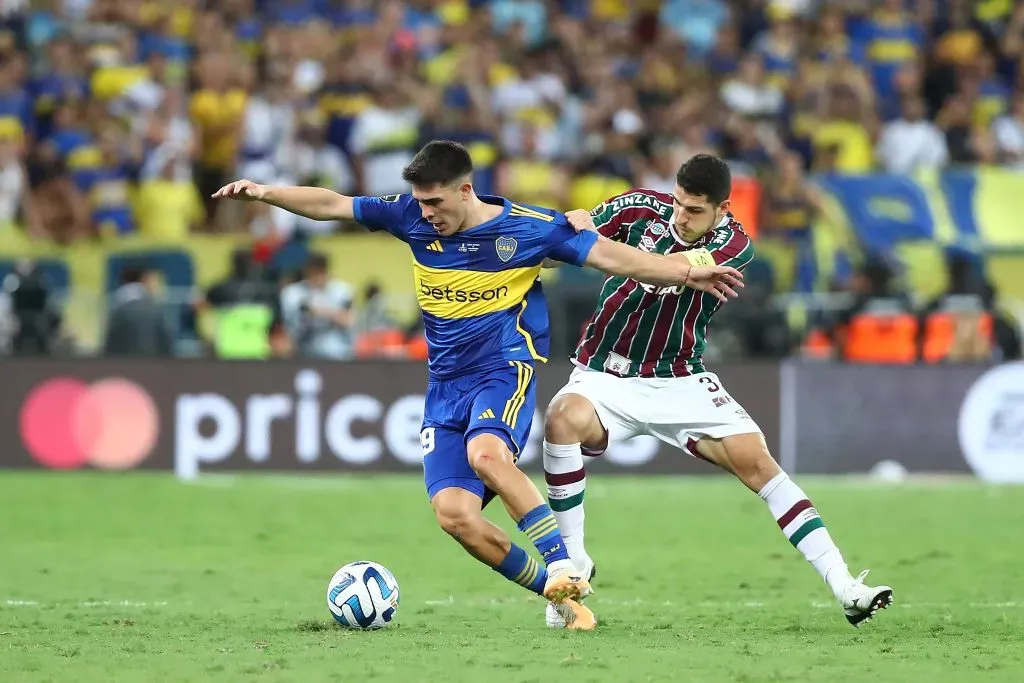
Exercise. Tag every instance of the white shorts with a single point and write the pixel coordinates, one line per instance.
(676, 410)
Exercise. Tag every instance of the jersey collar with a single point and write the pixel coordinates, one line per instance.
(497, 201)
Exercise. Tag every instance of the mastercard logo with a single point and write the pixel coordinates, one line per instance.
(66, 423)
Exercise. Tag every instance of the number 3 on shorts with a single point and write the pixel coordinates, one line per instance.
(427, 440)
(710, 384)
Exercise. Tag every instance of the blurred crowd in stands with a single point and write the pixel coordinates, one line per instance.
(122, 116)
(113, 112)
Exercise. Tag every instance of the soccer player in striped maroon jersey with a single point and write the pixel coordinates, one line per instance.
(640, 371)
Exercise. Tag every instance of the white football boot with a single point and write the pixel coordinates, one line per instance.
(860, 602)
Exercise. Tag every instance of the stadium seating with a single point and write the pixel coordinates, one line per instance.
(881, 338)
(174, 265)
(940, 332)
(916, 219)
(54, 270)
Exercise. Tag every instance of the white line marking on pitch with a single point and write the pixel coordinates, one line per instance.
(297, 482)
(84, 603)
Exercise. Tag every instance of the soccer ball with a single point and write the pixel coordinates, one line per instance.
(363, 595)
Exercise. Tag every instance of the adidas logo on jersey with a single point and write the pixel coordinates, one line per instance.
(435, 246)
(486, 415)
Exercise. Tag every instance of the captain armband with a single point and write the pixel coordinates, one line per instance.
(700, 257)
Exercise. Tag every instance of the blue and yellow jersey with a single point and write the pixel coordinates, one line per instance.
(249, 33)
(479, 291)
(67, 140)
(993, 99)
(109, 191)
(48, 90)
(888, 42)
(779, 66)
(842, 47)
(342, 103)
(17, 104)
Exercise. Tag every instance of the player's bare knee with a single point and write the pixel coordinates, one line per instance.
(456, 521)
(750, 460)
(484, 463)
(570, 418)
(487, 454)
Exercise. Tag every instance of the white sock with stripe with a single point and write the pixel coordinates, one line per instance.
(802, 526)
(567, 480)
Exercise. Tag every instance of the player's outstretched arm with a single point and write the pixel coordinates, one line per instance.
(580, 220)
(619, 259)
(317, 203)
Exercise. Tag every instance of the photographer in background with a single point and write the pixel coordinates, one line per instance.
(317, 313)
(244, 308)
(31, 305)
(136, 325)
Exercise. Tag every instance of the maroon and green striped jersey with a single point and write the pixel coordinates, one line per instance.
(641, 330)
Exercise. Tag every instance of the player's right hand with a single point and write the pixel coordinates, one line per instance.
(716, 280)
(580, 220)
(244, 190)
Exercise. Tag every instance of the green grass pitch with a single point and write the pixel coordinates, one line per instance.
(138, 577)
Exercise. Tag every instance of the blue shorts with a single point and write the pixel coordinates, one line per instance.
(500, 402)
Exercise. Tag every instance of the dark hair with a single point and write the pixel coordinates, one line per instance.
(440, 162)
(317, 261)
(705, 174)
(133, 273)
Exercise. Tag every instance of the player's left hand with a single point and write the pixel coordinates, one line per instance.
(580, 220)
(718, 281)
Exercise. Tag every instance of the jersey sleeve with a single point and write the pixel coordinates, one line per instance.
(390, 212)
(563, 243)
(728, 247)
(614, 216)
(608, 222)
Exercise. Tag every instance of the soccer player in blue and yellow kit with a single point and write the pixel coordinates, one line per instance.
(476, 261)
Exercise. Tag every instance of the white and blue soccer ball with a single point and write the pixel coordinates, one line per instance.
(363, 595)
